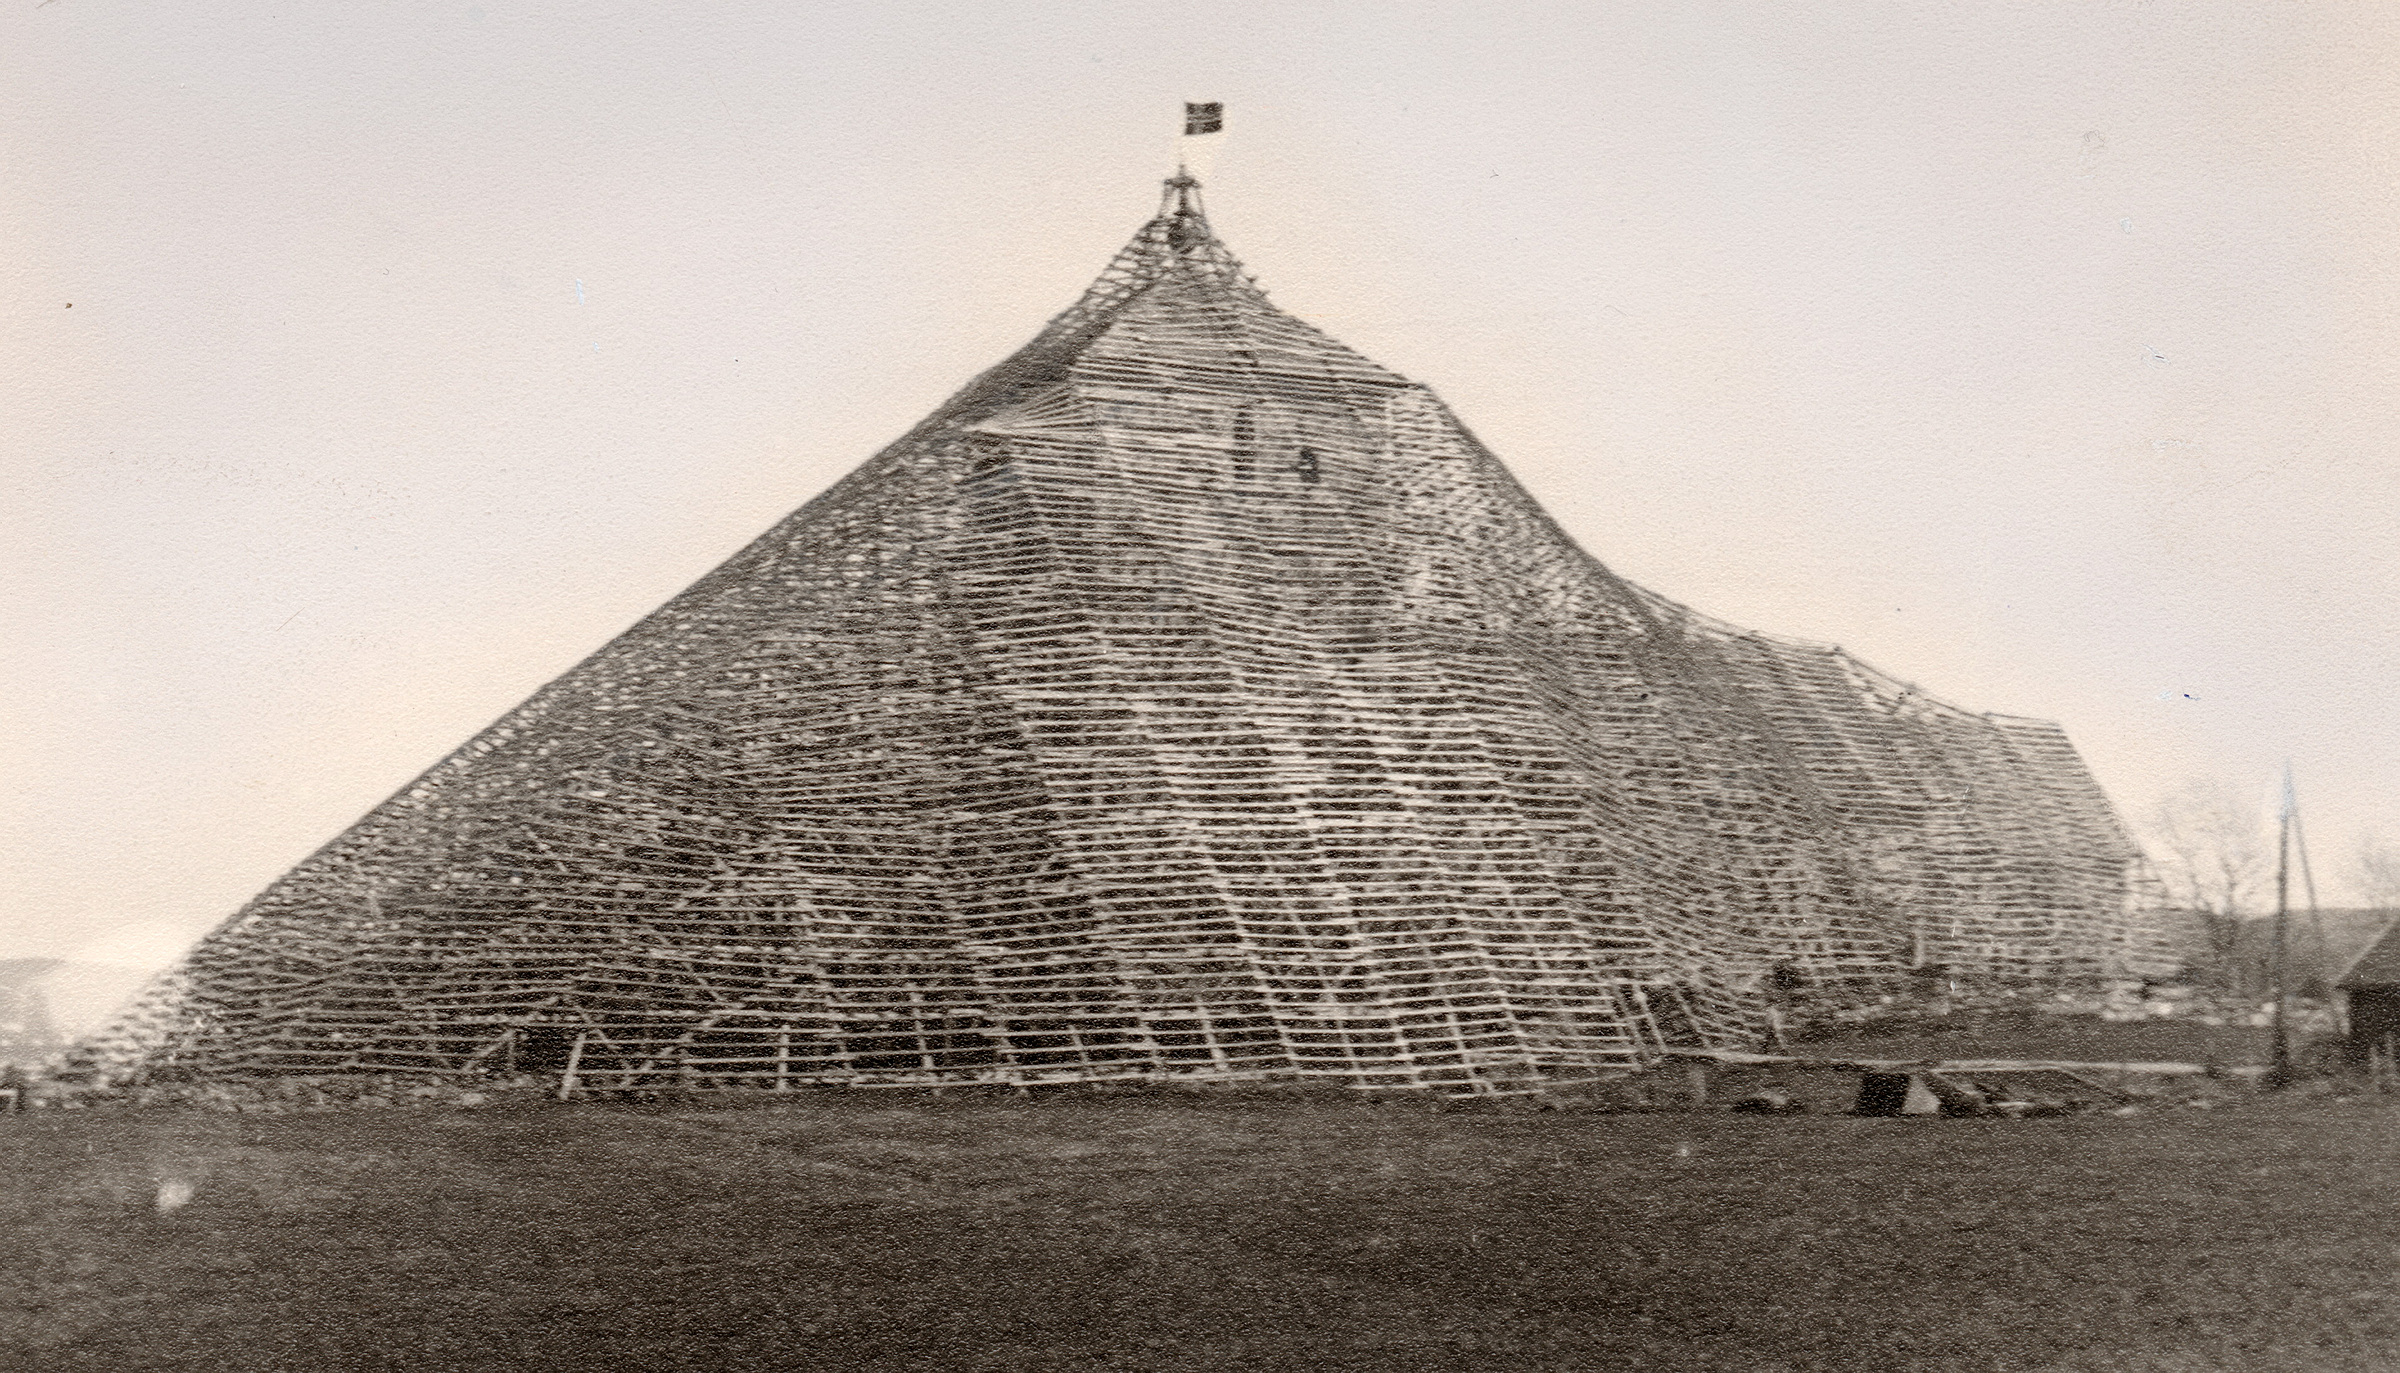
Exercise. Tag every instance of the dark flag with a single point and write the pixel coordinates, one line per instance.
(1208, 118)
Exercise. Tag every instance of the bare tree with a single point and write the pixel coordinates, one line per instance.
(2210, 850)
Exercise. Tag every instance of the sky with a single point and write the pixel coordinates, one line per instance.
(364, 367)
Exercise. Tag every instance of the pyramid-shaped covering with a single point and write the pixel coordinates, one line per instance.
(1188, 695)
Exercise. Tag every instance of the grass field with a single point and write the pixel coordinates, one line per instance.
(1151, 1233)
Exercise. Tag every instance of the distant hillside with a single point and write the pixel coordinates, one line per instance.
(27, 1031)
(2321, 944)
(46, 1003)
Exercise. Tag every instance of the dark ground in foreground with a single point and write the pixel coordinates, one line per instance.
(1150, 1233)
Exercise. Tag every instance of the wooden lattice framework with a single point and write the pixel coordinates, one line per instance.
(1188, 695)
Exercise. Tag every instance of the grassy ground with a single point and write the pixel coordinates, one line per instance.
(852, 1232)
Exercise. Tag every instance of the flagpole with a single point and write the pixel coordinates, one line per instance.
(1203, 121)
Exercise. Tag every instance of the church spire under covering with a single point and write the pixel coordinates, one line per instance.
(1188, 696)
(1187, 225)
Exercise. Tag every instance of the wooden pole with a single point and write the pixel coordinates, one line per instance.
(566, 1081)
(783, 1061)
(2323, 962)
(2281, 1054)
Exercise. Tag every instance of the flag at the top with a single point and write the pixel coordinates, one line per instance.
(1203, 118)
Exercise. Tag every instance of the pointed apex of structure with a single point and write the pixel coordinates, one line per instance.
(1182, 224)
(1175, 241)
(1179, 236)
(1179, 209)
(1182, 294)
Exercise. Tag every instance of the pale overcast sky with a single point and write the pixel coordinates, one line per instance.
(364, 366)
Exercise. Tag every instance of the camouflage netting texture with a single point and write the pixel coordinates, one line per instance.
(1188, 696)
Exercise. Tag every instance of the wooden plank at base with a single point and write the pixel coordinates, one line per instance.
(1735, 1057)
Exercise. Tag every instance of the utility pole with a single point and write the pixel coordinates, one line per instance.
(2280, 1069)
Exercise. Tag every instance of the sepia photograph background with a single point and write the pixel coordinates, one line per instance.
(362, 368)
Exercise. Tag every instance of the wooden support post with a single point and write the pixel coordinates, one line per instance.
(1217, 1057)
(566, 1081)
(1647, 1035)
(1695, 1077)
(783, 1061)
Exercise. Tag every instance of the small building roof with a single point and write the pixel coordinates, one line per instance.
(2378, 964)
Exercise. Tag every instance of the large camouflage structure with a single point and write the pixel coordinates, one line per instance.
(1188, 695)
